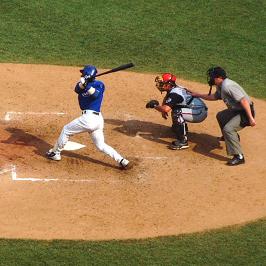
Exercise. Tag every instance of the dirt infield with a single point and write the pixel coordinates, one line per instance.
(86, 196)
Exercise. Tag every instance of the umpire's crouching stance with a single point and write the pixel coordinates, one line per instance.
(240, 112)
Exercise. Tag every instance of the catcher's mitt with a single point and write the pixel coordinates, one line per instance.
(152, 104)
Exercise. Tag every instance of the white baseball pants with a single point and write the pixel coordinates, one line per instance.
(91, 123)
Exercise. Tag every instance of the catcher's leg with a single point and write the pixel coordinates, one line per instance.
(180, 128)
(181, 133)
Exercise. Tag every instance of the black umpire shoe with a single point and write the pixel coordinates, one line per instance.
(236, 160)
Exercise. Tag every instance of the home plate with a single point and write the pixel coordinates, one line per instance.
(72, 146)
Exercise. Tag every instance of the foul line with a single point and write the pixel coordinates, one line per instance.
(8, 115)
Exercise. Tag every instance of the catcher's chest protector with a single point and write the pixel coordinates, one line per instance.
(195, 112)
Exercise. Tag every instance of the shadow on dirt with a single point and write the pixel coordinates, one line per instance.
(20, 137)
(204, 143)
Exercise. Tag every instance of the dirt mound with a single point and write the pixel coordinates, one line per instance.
(86, 196)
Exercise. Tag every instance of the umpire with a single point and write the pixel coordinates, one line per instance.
(239, 113)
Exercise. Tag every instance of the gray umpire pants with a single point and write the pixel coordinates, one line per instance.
(229, 122)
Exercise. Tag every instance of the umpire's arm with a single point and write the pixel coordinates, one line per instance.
(211, 97)
(246, 106)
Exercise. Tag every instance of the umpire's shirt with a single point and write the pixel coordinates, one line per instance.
(231, 93)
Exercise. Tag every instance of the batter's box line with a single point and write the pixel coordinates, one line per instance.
(13, 173)
(11, 114)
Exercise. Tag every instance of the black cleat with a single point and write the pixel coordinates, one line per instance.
(179, 145)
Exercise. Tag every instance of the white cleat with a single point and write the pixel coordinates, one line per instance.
(56, 156)
(124, 164)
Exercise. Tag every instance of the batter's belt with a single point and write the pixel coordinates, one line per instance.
(89, 111)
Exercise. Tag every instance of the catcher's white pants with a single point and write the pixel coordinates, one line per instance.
(93, 124)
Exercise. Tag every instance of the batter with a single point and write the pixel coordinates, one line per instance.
(90, 96)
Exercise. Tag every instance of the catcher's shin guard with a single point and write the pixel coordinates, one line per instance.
(179, 125)
(180, 130)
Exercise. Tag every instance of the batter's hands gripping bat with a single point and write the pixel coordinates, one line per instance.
(122, 67)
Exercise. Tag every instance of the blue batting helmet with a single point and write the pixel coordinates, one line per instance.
(89, 72)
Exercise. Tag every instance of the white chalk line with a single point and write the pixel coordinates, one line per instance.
(13, 171)
(9, 115)
(14, 177)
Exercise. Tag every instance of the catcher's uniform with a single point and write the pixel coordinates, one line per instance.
(177, 98)
(91, 120)
(185, 109)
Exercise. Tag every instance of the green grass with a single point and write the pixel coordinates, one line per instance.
(244, 245)
(184, 37)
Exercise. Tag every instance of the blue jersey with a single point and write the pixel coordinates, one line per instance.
(90, 102)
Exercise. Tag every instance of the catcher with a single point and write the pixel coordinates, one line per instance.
(182, 105)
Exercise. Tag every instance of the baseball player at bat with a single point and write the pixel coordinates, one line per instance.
(90, 95)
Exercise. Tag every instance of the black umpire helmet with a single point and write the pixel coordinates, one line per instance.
(215, 72)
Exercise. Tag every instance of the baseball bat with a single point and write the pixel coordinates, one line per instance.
(122, 67)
